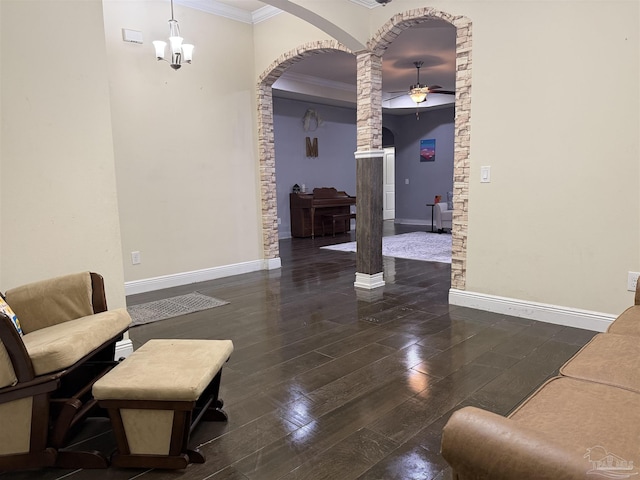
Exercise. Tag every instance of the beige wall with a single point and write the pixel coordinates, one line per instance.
(559, 222)
(184, 142)
(555, 113)
(58, 204)
(279, 35)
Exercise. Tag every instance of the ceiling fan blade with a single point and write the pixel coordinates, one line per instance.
(397, 96)
(434, 87)
(443, 92)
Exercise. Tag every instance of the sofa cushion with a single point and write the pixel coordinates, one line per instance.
(60, 346)
(594, 361)
(561, 431)
(627, 323)
(583, 415)
(449, 200)
(6, 310)
(481, 445)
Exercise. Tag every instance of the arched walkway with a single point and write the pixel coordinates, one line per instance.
(266, 149)
(376, 46)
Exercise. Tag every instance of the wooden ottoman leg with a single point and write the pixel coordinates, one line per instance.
(214, 412)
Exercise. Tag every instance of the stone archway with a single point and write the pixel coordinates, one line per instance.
(377, 45)
(266, 149)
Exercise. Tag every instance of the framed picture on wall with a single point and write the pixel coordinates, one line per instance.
(428, 150)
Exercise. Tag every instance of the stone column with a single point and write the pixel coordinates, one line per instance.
(369, 165)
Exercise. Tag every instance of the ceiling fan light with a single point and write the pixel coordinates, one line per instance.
(418, 95)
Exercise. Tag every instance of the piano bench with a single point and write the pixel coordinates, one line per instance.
(343, 217)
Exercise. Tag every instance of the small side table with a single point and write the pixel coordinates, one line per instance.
(431, 205)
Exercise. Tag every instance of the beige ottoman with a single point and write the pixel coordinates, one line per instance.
(157, 396)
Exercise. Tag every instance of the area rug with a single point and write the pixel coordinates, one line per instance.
(428, 247)
(171, 307)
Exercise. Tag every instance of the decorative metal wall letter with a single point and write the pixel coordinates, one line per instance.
(312, 147)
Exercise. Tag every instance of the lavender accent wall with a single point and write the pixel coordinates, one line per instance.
(335, 165)
(426, 179)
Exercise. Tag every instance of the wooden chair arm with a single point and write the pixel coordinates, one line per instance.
(42, 384)
(18, 355)
(99, 298)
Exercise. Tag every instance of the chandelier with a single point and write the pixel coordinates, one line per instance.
(180, 52)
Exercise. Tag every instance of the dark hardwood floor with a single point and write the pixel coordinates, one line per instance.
(329, 383)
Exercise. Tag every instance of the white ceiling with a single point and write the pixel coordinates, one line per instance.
(331, 77)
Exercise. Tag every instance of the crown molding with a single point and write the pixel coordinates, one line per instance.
(232, 13)
(264, 13)
(366, 3)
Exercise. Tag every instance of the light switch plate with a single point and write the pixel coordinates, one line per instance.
(485, 174)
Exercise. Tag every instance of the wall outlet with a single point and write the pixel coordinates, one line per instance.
(135, 258)
(279, 221)
(632, 281)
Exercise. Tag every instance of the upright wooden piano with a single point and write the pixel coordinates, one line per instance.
(309, 210)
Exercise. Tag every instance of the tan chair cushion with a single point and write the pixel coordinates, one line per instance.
(627, 323)
(49, 302)
(177, 370)
(608, 358)
(60, 346)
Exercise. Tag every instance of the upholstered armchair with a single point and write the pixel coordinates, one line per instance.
(442, 217)
(47, 370)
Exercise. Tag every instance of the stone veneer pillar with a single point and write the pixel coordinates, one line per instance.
(369, 165)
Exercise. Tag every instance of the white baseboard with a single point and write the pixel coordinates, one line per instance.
(570, 317)
(124, 348)
(369, 282)
(185, 278)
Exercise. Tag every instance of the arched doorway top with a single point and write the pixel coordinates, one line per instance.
(401, 21)
(275, 70)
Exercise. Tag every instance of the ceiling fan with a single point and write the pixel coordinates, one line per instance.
(419, 92)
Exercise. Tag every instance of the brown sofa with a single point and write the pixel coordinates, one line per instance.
(582, 424)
